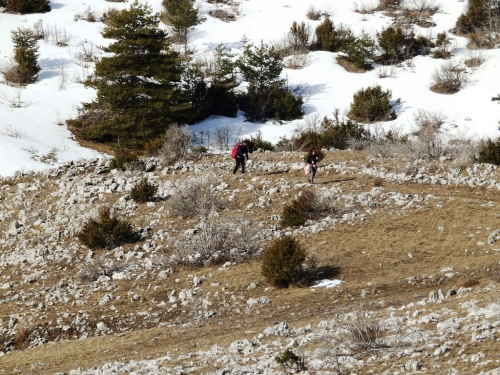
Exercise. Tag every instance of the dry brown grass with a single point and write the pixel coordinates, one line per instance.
(436, 233)
(350, 66)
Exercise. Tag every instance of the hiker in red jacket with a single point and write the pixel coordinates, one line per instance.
(240, 156)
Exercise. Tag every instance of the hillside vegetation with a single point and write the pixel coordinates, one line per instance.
(415, 250)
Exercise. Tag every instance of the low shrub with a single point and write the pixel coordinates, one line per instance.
(475, 17)
(217, 241)
(290, 361)
(256, 142)
(397, 44)
(490, 152)
(449, 78)
(143, 191)
(360, 50)
(364, 334)
(330, 132)
(278, 102)
(123, 160)
(282, 261)
(332, 38)
(195, 197)
(300, 210)
(26, 6)
(175, 144)
(106, 232)
(313, 13)
(372, 104)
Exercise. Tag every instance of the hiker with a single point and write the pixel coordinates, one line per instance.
(312, 163)
(241, 153)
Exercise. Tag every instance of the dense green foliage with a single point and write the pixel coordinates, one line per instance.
(372, 104)
(138, 86)
(106, 232)
(360, 50)
(26, 6)
(267, 94)
(282, 261)
(290, 362)
(331, 132)
(490, 152)
(397, 44)
(299, 210)
(122, 159)
(331, 38)
(256, 142)
(25, 55)
(475, 17)
(216, 87)
(143, 191)
(183, 16)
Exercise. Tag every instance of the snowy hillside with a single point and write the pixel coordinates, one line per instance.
(33, 134)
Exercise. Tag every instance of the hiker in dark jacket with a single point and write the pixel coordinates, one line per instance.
(240, 156)
(312, 162)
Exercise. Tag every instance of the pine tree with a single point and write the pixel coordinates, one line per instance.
(26, 6)
(223, 82)
(393, 43)
(359, 51)
(25, 55)
(183, 16)
(138, 87)
(261, 67)
(267, 95)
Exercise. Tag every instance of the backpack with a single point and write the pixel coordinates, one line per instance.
(234, 151)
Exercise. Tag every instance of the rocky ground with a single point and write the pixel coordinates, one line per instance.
(415, 247)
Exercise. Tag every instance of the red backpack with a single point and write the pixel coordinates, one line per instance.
(234, 151)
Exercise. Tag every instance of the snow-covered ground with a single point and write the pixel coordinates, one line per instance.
(32, 120)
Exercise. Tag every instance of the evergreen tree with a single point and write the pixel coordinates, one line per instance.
(267, 95)
(26, 6)
(223, 82)
(359, 51)
(392, 43)
(261, 67)
(25, 55)
(183, 16)
(138, 87)
(325, 34)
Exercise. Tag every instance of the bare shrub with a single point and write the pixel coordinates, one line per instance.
(39, 31)
(175, 145)
(449, 78)
(482, 38)
(429, 143)
(89, 15)
(16, 99)
(87, 53)
(222, 137)
(388, 4)
(422, 6)
(386, 71)
(428, 119)
(217, 241)
(297, 61)
(474, 58)
(365, 7)
(362, 333)
(194, 197)
(101, 266)
(10, 131)
(463, 150)
(61, 37)
(313, 13)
